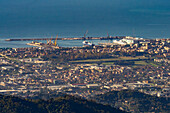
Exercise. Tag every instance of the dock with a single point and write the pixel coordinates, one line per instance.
(39, 44)
(107, 44)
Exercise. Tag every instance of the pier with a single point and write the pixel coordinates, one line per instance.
(80, 38)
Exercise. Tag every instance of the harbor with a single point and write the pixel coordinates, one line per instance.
(70, 42)
(53, 44)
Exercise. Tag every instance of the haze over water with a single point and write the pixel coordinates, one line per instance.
(71, 18)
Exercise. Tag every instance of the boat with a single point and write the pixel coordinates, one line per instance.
(120, 42)
(86, 43)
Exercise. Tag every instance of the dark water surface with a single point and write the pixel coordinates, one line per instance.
(71, 18)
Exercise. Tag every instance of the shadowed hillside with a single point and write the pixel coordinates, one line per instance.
(66, 104)
(134, 101)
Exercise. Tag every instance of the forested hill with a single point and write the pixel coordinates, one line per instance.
(133, 101)
(66, 104)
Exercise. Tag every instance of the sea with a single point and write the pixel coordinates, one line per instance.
(72, 18)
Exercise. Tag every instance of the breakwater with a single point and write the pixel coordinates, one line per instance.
(81, 38)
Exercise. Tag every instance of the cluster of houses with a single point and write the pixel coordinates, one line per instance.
(24, 72)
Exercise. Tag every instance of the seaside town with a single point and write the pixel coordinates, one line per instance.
(130, 63)
(85, 56)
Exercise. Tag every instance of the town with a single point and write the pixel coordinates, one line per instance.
(140, 65)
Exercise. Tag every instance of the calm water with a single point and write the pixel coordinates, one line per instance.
(71, 18)
(62, 43)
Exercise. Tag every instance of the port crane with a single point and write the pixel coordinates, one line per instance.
(50, 42)
(84, 38)
(55, 43)
(108, 35)
(47, 41)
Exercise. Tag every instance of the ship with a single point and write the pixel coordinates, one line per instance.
(86, 43)
(124, 41)
(120, 42)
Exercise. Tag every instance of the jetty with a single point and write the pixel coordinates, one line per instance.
(79, 38)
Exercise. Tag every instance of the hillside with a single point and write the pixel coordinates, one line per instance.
(66, 104)
(133, 101)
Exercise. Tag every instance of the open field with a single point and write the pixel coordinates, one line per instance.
(139, 58)
(140, 63)
(153, 64)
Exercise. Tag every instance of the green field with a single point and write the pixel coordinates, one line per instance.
(153, 64)
(140, 63)
(109, 59)
(108, 63)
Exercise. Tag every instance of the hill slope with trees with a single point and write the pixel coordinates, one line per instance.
(66, 104)
(133, 101)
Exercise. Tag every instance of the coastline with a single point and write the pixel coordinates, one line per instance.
(63, 42)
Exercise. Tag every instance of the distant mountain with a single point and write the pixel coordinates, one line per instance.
(133, 101)
(66, 104)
